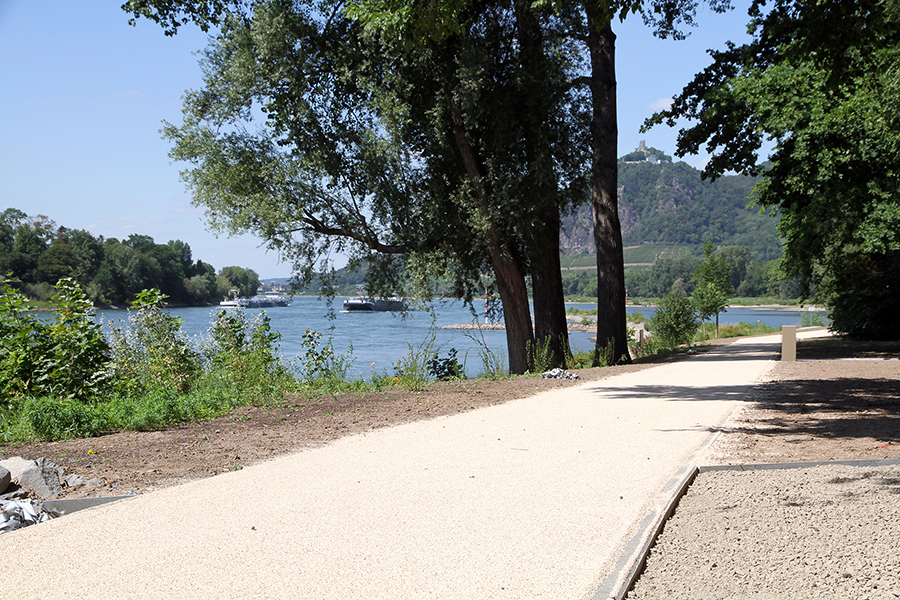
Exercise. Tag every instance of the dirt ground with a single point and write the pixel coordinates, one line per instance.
(814, 409)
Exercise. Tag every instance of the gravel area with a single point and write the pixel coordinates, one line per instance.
(818, 532)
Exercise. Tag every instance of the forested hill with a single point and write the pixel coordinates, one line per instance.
(665, 202)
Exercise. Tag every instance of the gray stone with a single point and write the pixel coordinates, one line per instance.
(73, 480)
(40, 477)
(5, 479)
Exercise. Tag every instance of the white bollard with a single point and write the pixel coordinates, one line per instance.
(789, 342)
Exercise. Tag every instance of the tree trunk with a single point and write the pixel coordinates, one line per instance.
(550, 324)
(612, 334)
(516, 314)
(507, 272)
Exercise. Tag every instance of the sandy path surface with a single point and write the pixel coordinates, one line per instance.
(530, 499)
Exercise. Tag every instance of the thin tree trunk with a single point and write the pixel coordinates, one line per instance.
(507, 272)
(550, 324)
(612, 333)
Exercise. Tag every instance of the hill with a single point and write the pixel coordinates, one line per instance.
(661, 202)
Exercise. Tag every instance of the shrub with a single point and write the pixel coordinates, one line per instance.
(151, 350)
(244, 354)
(446, 369)
(65, 357)
(675, 321)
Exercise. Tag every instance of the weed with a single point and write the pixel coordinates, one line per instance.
(446, 369)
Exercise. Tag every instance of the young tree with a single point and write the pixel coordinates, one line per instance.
(675, 320)
(712, 285)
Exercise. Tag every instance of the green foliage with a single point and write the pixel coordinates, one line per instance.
(63, 357)
(493, 364)
(830, 104)
(151, 351)
(53, 418)
(321, 367)
(675, 321)
(244, 354)
(110, 271)
(813, 319)
(61, 379)
(412, 371)
(713, 286)
(540, 355)
(446, 369)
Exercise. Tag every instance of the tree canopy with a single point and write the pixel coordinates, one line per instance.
(38, 253)
(449, 134)
(821, 81)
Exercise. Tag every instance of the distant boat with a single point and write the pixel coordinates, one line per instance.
(268, 300)
(233, 300)
(370, 304)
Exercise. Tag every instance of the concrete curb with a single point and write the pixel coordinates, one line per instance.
(67, 506)
(656, 522)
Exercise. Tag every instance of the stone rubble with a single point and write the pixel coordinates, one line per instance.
(25, 484)
(559, 374)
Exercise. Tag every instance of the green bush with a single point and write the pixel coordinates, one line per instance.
(446, 369)
(65, 357)
(151, 350)
(675, 321)
(244, 354)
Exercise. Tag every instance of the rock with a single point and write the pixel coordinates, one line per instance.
(73, 480)
(40, 477)
(559, 374)
(5, 479)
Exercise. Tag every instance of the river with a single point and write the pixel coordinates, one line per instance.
(380, 339)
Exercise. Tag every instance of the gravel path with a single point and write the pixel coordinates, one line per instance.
(821, 532)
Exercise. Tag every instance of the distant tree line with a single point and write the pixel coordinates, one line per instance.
(749, 278)
(38, 253)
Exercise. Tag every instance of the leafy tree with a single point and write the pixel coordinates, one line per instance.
(56, 262)
(713, 286)
(246, 281)
(458, 205)
(477, 63)
(87, 253)
(821, 80)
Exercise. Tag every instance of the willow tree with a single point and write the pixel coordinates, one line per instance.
(317, 136)
(503, 105)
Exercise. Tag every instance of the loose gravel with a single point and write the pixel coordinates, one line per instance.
(820, 532)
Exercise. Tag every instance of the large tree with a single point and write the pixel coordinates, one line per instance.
(483, 88)
(458, 156)
(822, 81)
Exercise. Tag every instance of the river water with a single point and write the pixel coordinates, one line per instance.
(380, 339)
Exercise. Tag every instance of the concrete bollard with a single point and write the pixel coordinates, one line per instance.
(789, 342)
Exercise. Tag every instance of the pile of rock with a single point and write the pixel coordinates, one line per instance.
(559, 374)
(25, 484)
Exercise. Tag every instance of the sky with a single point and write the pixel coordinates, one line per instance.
(83, 96)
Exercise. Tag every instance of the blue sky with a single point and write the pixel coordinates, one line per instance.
(84, 95)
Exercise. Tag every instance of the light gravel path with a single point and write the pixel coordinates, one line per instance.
(827, 532)
(535, 498)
